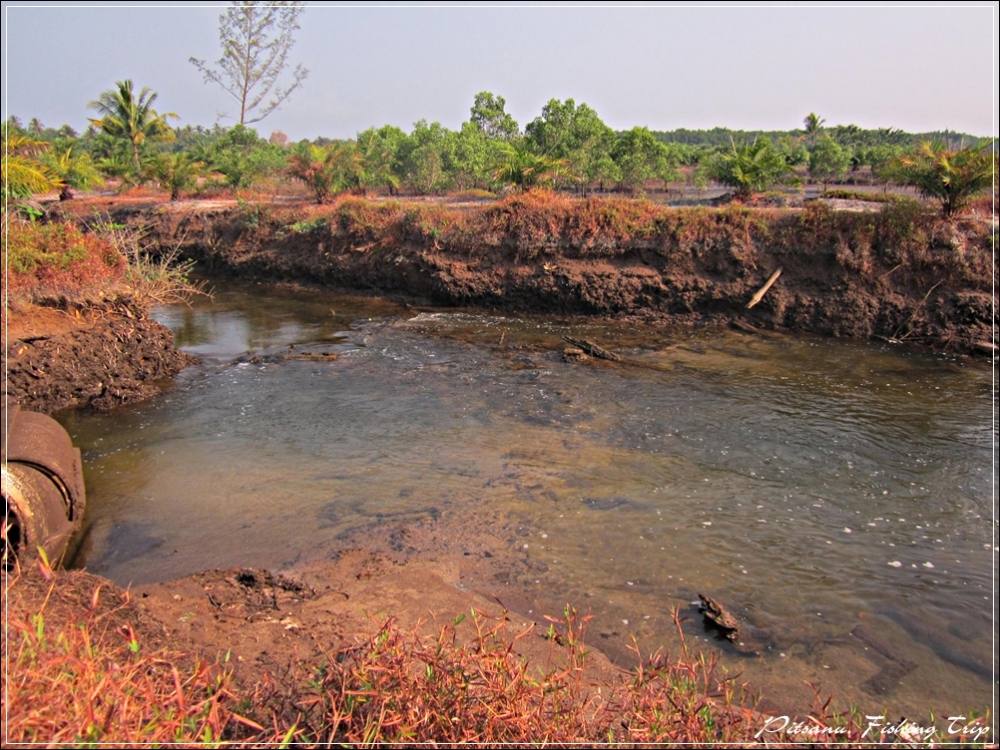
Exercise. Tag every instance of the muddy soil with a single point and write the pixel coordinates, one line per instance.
(96, 357)
(895, 276)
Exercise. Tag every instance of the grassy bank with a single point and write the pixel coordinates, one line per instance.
(87, 666)
(76, 307)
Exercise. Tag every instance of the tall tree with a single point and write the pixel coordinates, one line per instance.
(813, 124)
(256, 39)
(131, 117)
(575, 133)
(490, 116)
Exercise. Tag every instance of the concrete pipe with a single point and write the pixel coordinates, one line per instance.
(42, 483)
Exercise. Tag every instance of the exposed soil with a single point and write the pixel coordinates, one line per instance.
(97, 357)
(901, 274)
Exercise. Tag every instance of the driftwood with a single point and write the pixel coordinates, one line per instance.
(592, 349)
(741, 325)
(763, 290)
(720, 617)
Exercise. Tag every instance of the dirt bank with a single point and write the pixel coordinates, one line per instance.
(96, 356)
(902, 274)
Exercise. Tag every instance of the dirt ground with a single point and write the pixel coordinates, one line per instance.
(97, 356)
(847, 270)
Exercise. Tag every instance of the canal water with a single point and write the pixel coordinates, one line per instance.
(835, 495)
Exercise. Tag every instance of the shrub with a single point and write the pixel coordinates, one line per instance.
(748, 168)
(326, 170)
(58, 258)
(951, 176)
(177, 172)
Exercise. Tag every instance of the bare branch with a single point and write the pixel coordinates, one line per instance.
(256, 40)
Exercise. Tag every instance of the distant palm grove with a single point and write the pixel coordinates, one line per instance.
(129, 142)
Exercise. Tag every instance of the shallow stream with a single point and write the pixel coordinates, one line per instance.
(837, 496)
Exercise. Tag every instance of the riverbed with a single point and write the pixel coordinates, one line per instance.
(835, 495)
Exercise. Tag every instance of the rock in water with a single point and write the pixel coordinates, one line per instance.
(720, 617)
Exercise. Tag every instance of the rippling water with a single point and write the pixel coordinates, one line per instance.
(836, 495)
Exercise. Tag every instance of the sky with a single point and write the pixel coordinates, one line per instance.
(917, 68)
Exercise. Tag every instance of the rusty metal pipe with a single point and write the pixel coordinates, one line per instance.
(42, 485)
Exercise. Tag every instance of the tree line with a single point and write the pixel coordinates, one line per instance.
(568, 147)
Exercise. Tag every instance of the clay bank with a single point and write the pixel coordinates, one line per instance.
(899, 274)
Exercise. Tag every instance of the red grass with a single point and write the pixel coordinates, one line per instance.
(59, 259)
(85, 667)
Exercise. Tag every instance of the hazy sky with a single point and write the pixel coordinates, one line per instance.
(915, 68)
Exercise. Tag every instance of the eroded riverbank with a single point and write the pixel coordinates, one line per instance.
(902, 274)
(95, 355)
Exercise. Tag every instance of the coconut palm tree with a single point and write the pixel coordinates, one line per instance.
(131, 117)
(813, 124)
(23, 172)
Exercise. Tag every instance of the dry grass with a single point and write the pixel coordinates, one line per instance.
(84, 667)
(81, 671)
(58, 259)
(160, 278)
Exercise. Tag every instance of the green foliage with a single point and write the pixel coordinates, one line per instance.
(490, 117)
(953, 177)
(794, 150)
(748, 168)
(813, 125)
(177, 172)
(577, 136)
(639, 157)
(525, 169)
(425, 155)
(827, 160)
(24, 172)
(130, 117)
(242, 157)
(379, 149)
(73, 167)
(307, 226)
(327, 170)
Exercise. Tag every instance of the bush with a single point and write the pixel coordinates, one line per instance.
(60, 259)
(748, 168)
(951, 176)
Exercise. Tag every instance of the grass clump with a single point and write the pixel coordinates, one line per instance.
(86, 667)
(59, 259)
(83, 671)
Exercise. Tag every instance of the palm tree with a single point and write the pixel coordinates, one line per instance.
(23, 173)
(813, 124)
(177, 172)
(327, 170)
(125, 115)
(748, 168)
(75, 170)
(525, 169)
(951, 176)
